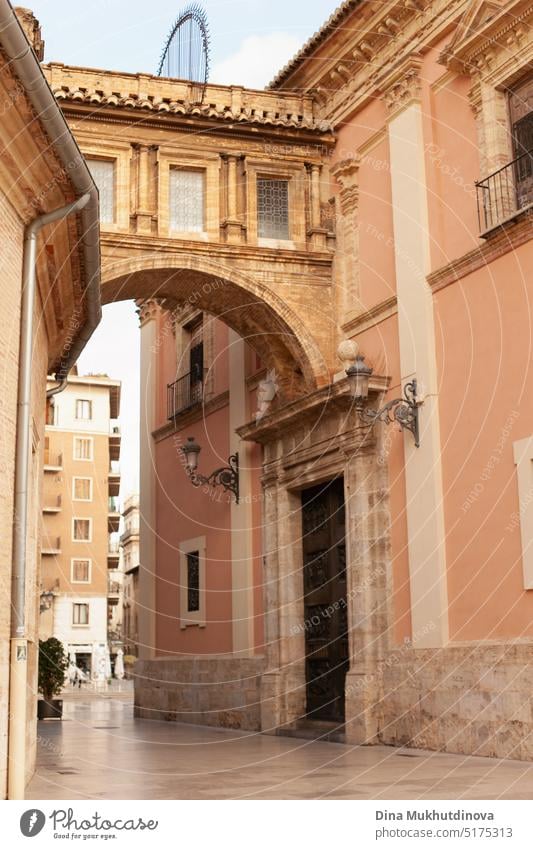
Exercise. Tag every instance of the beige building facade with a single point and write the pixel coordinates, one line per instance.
(50, 302)
(80, 577)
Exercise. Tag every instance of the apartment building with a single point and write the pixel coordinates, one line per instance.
(129, 542)
(80, 578)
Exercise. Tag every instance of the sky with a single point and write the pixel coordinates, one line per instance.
(250, 41)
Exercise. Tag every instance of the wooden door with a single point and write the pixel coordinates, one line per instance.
(325, 605)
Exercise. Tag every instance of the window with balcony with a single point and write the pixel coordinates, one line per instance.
(272, 209)
(82, 489)
(187, 391)
(187, 201)
(507, 191)
(80, 614)
(103, 174)
(83, 448)
(80, 571)
(84, 409)
(81, 530)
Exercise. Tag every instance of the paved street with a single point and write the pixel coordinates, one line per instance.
(100, 751)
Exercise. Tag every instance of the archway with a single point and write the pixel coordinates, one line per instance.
(246, 305)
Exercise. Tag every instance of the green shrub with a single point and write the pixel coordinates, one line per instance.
(53, 663)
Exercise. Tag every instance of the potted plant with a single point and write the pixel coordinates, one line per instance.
(53, 663)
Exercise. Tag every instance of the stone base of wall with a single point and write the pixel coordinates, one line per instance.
(472, 699)
(202, 690)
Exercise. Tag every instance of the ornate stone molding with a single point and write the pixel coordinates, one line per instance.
(403, 86)
(487, 31)
(346, 173)
(148, 310)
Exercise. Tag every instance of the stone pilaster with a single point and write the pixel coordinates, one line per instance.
(346, 173)
(368, 555)
(232, 226)
(148, 312)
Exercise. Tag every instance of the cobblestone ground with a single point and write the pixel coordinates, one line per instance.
(99, 751)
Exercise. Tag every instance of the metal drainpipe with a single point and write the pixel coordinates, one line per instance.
(19, 639)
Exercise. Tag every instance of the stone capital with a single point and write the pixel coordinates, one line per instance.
(346, 173)
(403, 86)
(148, 310)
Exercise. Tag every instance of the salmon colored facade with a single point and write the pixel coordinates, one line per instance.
(405, 163)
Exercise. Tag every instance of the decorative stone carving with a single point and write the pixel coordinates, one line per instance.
(346, 173)
(347, 352)
(404, 87)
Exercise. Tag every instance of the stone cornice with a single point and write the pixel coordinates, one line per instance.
(504, 239)
(368, 47)
(369, 318)
(474, 47)
(230, 105)
(303, 409)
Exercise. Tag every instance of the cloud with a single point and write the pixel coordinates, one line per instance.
(257, 60)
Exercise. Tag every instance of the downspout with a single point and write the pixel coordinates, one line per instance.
(19, 637)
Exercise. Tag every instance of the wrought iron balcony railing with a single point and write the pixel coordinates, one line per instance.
(507, 191)
(184, 393)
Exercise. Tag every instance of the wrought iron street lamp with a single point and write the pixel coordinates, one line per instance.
(404, 410)
(226, 476)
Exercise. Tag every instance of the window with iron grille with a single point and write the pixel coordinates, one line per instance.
(273, 209)
(521, 114)
(103, 174)
(186, 201)
(193, 581)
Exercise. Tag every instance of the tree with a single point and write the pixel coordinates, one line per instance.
(53, 663)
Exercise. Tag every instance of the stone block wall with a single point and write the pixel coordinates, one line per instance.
(475, 699)
(200, 690)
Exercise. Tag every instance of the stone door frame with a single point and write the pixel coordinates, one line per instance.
(314, 443)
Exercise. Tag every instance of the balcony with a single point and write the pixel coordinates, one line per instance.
(51, 546)
(113, 514)
(52, 462)
(114, 478)
(113, 554)
(113, 591)
(114, 442)
(53, 508)
(183, 394)
(505, 194)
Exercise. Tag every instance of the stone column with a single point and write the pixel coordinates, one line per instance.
(143, 213)
(416, 328)
(317, 234)
(232, 226)
(367, 553)
(148, 311)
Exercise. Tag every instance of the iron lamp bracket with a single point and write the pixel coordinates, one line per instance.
(404, 411)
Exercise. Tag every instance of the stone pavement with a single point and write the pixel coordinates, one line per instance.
(99, 751)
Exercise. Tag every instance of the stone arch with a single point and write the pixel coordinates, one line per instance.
(245, 304)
